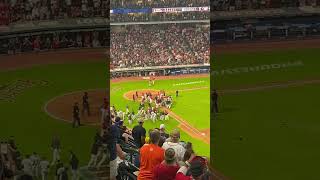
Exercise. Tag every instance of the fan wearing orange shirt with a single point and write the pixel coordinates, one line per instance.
(151, 155)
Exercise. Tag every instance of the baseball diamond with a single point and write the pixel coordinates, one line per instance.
(193, 121)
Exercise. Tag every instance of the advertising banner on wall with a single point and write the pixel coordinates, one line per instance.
(181, 9)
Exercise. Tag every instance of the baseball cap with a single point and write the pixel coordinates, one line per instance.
(162, 126)
(140, 121)
(169, 155)
(200, 159)
(117, 119)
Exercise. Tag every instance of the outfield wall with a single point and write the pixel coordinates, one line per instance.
(160, 70)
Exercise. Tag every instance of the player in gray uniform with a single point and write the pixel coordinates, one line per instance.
(44, 168)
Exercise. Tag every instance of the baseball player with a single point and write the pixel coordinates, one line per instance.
(44, 168)
(55, 145)
(153, 80)
(27, 165)
(214, 107)
(127, 109)
(153, 116)
(85, 103)
(76, 115)
(35, 164)
(130, 119)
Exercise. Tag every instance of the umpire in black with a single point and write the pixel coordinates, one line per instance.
(85, 103)
(214, 98)
(76, 115)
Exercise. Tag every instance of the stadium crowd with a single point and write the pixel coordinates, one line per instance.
(54, 41)
(155, 45)
(15, 165)
(157, 3)
(28, 10)
(154, 154)
(230, 5)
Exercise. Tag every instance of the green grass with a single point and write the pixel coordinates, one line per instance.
(193, 106)
(280, 127)
(31, 126)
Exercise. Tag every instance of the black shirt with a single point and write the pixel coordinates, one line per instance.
(76, 111)
(138, 132)
(74, 162)
(85, 99)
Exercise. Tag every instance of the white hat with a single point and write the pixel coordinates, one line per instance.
(162, 126)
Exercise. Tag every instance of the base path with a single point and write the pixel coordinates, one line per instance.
(61, 107)
(184, 124)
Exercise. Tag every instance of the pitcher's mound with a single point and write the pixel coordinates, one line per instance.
(61, 107)
(129, 95)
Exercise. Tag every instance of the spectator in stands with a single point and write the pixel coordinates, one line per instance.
(155, 45)
(168, 168)
(163, 131)
(197, 170)
(174, 144)
(47, 44)
(139, 134)
(151, 155)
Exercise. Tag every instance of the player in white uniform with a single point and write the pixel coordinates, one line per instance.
(27, 165)
(153, 116)
(44, 169)
(35, 159)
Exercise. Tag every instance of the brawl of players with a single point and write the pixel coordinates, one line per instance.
(151, 107)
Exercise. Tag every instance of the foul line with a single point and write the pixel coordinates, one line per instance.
(194, 130)
(273, 86)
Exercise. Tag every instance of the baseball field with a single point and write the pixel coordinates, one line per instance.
(29, 82)
(190, 112)
(268, 126)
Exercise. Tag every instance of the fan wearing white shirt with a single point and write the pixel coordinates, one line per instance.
(174, 144)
